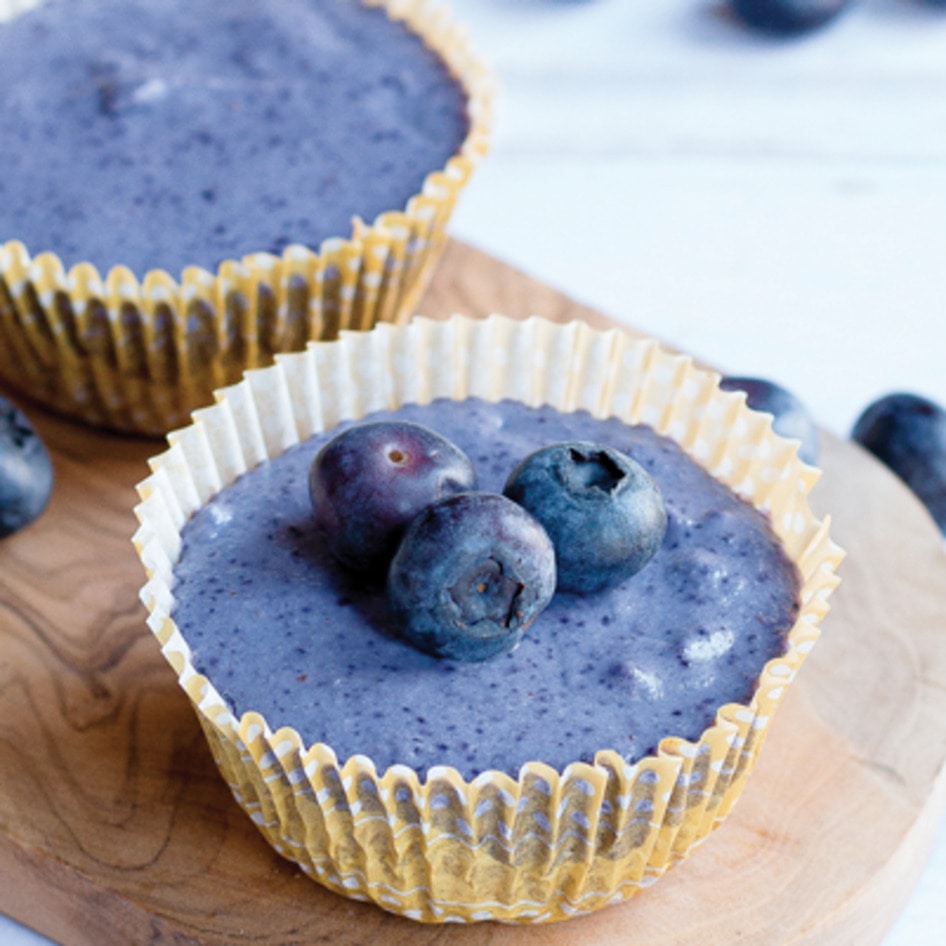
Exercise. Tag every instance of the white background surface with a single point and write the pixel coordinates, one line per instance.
(776, 208)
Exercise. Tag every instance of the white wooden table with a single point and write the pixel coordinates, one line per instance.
(775, 208)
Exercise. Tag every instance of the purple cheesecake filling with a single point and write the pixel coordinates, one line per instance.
(282, 630)
(165, 133)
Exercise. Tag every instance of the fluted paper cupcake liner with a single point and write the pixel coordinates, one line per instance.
(139, 355)
(545, 844)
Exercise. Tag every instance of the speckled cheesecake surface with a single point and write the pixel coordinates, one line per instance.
(160, 134)
(281, 629)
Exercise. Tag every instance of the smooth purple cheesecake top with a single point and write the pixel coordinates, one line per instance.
(165, 133)
(279, 628)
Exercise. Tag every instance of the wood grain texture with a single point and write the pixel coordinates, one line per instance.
(115, 827)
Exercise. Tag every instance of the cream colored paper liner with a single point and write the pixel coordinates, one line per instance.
(548, 844)
(140, 356)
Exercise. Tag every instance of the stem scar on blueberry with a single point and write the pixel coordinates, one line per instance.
(594, 470)
(486, 593)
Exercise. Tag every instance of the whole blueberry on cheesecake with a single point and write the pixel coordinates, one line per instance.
(369, 481)
(602, 510)
(907, 433)
(471, 574)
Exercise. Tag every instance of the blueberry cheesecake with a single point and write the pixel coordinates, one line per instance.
(474, 653)
(190, 187)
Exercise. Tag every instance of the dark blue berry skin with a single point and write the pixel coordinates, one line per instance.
(371, 480)
(603, 512)
(788, 17)
(26, 472)
(907, 433)
(790, 418)
(471, 574)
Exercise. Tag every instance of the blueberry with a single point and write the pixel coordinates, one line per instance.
(26, 472)
(369, 481)
(603, 512)
(790, 418)
(471, 574)
(908, 434)
(788, 17)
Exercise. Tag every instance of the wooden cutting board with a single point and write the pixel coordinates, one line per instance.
(115, 828)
